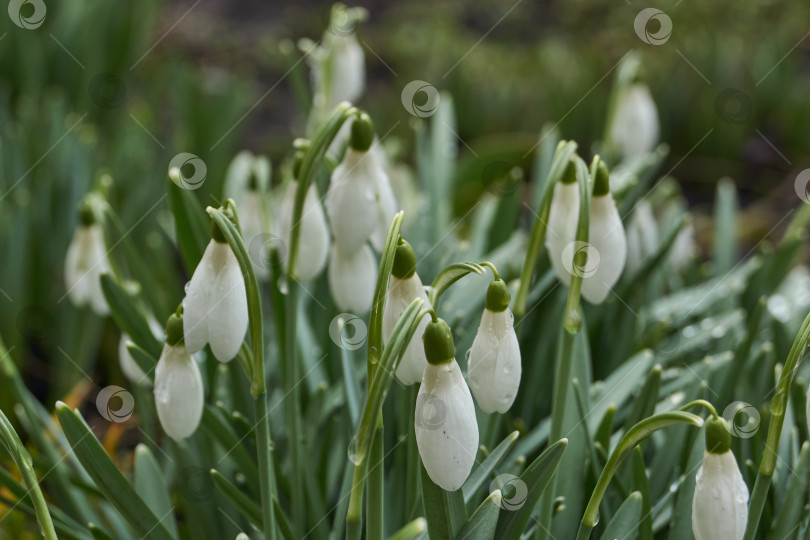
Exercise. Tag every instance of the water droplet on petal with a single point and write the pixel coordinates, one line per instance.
(353, 452)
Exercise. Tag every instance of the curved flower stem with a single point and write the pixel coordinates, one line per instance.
(702, 403)
(491, 267)
(449, 275)
(565, 149)
(634, 435)
(258, 388)
(778, 407)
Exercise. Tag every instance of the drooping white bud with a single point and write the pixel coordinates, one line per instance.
(178, 392)
(401, 292)
(561, 231)
(215, 306)
(131, 370)
(684, 249)
(351, 202)
(313, 246)
(642, 236)
(347, 69)
(634, 128)
(352, 279)
(720, 503)
(493, 364)
(85, 261)
(607, 240)
(386, 200)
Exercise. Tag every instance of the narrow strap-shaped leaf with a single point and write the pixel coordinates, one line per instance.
(247, 507)
(413, 530)
(625, 523)
(645, 528)
(484, 521)
(98, 533)
(536, 477)
(785, 525)
(127, 316)
(444, 510)
(150, 484)
(145, 361)
(118, 491)
(190, 225)
(480, 474)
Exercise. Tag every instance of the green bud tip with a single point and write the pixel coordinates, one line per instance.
(570, 174)
(86, 215)
(438, 341)
(601, 184)
(253, 182)
(498, 296)
(718, 436)
(216, 233)
(174, 329)
(404, 260)
(362, 133)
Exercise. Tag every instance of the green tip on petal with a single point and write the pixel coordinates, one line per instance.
(497, 296)
(86, 215)
(601, 184)
(362, 133)
(438, 341)
(718, 436)
(253, 182)
(216, 233)
(404, 261)
(174, 329)
(570, 174)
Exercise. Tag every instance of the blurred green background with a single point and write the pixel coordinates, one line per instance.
(119, 88)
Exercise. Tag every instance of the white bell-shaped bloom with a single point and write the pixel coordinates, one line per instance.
(684, 249)
(246, 172)
(561, 230)
(85, 261)
(642, 236)
(401, 292)
(178, 392)
(352, 279)
(215, 307)
(351, 202)
(608, 245)
(493, 364)
(720, 503)
(386, 201)
(348, 70)
(255, 231)
(445, 423)
(131, 370)
(313, 243)
(634, 127)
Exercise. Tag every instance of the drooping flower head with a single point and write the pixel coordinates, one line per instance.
(215, 306)
(634, 129)
(720, 503)
(85, 261)
(178, 385)
(446, 428)
(493, 365)
(352, 279)
(563, 217)
(403, 288)
(131, 370)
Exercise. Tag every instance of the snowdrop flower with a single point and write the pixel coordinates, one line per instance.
(246, 172)
(178, 385)
(720, 504)
(607, 241)
(563, 217)
(360, 202)
(642, 236)
(684, 249)
(313, 245)
(131, 370)
(85, 261)
(446, 428)
(634, 128)
(254, 230)
(352, 279)
(215, 307)
(493, 365)
(403, 288)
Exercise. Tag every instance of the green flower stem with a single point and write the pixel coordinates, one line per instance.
(634, 435)
(565, 149)
(701, 403)
(491, 267)
(573, 319)
(258, 385)
(22, 459)
(778, 407)
(449, 275)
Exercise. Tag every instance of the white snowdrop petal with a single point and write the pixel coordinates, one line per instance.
(446, 428)
(351, 202)
(131, 370)
(401, 292)
(634, 128)
(251, 218)
(352, 279)
(493, 365)
(608, 239)
(178, 392)
(386, 202)
(228, 317)
(99, 264)
(642, 236)
(196, 304)
(720, 503)
(348, 70)
(85, 261)
(562, 226)
(313, 245)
